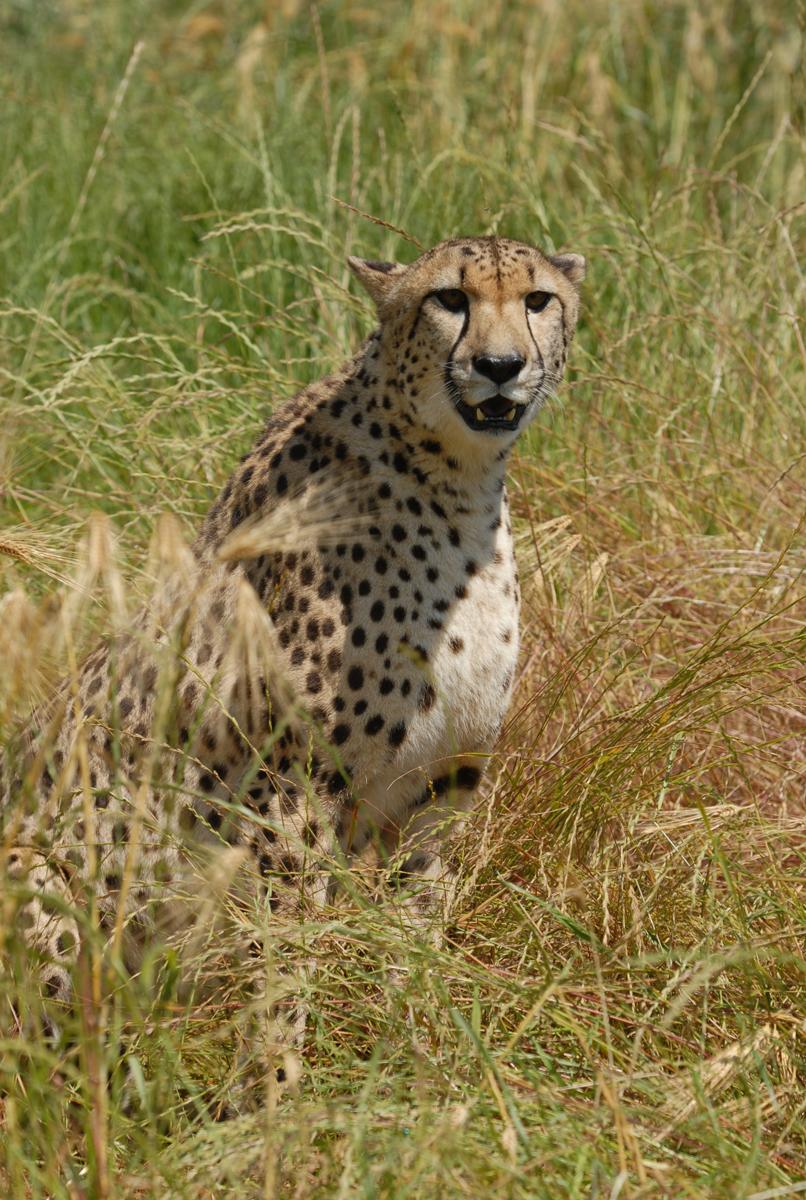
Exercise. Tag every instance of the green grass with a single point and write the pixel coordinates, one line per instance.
(618, 1010)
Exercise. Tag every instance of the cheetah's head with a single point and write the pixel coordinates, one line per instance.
(476, 332)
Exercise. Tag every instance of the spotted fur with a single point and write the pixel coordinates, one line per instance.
(362, 706)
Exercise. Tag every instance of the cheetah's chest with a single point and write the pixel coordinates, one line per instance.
(443, 681)
(471, 667)
(403, 646)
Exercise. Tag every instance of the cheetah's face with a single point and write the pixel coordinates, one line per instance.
(481, 328)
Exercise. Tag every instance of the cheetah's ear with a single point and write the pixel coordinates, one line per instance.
(573, 266)
(377, 278)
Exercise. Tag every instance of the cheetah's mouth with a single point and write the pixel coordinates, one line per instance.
(496, 414)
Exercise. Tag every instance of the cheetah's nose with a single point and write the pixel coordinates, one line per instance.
(499, 369)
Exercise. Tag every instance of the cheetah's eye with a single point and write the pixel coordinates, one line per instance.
(537, 301)
(452, 298)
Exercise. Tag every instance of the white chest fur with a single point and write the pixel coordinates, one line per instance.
(465, 685)
(474, 662)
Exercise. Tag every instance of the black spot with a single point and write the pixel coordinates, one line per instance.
(65, 943)
(427, 697)
(381, 642)
(374, 724)
(359, 636)
(335, 784)
(355, 678)
(340, 734)
(397, 734)
(467, 777)
(53, 985)
(377, 611)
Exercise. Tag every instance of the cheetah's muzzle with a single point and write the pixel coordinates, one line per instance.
(494, 415)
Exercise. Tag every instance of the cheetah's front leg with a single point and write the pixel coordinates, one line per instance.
(426, 882)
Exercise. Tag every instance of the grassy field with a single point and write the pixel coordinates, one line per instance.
(619, 1009)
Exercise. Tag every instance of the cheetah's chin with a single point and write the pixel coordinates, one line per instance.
(496, 415)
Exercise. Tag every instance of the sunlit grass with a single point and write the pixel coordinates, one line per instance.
(618, 1008)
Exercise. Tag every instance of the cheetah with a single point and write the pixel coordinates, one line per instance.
(306, 700)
